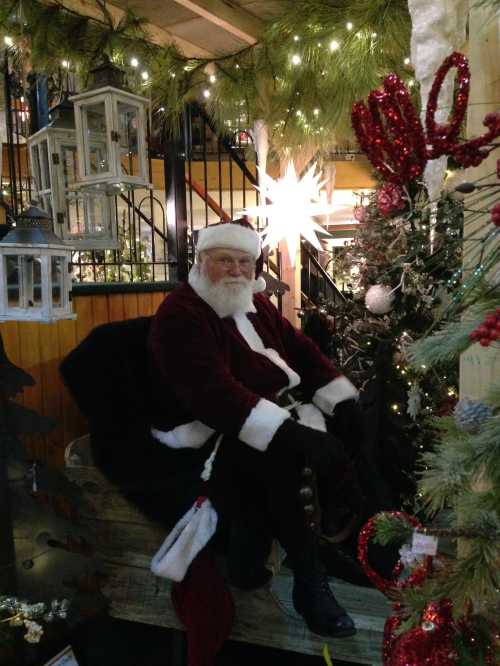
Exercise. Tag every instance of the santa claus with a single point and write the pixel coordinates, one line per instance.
(242, 403)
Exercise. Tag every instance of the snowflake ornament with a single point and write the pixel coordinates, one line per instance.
(294, 203)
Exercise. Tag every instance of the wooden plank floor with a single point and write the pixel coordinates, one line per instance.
(263, 617)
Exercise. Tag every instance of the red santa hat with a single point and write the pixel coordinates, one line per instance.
(235, 235)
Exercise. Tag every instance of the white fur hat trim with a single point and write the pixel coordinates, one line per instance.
(193, 531)
(230, 236)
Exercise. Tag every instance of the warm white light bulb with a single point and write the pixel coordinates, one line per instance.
(316, 112)
(296, 38)
(206, 93)
(134, 62)
(65, 64)
(334, 45)
(349, 25)
(144, 76)
(212, 78)
(296, 59)
(374, 34)
(8, 41)
(407, 61)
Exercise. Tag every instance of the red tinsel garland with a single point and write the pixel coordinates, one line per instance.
(390, 133)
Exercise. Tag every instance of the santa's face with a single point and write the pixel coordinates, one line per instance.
(226, 266)
(225, 280)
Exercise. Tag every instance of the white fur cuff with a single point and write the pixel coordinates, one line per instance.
(193, 531)
(186, 436)
(331, 394)
(262, 423)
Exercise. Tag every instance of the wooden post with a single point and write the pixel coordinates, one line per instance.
(480, 366)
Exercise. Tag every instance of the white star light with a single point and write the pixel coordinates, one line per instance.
(293, 204)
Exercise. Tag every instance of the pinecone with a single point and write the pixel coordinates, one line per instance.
(471, 414)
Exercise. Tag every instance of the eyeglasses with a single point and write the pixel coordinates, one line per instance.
(227, 262)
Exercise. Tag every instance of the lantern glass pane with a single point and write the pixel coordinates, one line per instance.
(44, 164)
(128, 124)
(69, 163)
(75, 214)
(94, 134)
(56, 276)
(37, 174)
(97, 213)
(32, 268)
(12, 274)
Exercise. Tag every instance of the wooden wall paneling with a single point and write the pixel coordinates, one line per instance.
(144, 304)
(84, 317)
(100, 313)
(157, 298)
(130, 306)
(115, 307)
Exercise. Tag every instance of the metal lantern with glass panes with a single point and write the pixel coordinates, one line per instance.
(34, 271)
(85, 219)
(110, 133)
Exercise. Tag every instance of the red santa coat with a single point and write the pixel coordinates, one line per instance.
(223, 375)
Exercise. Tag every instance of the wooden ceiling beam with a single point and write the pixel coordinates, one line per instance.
(229, 16)
(153, 33)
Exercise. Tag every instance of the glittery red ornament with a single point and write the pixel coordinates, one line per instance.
(431, 644)
(390, 133)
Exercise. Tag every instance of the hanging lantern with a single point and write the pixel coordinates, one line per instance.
(110, 133)
(34, 273)
(85, 219)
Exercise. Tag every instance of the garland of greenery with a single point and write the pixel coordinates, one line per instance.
(301, 78)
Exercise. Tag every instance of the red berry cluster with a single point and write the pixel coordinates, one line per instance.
(488, 331)
(495, 215)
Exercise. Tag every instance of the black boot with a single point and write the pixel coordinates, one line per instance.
(312, 596)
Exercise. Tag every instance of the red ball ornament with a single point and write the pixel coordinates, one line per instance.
(485, 342)
(490, 321)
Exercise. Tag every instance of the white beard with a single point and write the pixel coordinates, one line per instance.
(229, 297)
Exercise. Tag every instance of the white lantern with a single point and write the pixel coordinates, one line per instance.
(111, 133)
(34, 271)
(86, 220)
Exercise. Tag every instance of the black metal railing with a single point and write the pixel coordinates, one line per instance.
(317, 286)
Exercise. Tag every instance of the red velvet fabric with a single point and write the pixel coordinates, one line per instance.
(205, 606)
(203, 368)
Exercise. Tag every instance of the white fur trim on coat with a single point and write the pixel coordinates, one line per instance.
(193, 531)
(186, 436)
(231, 236)
(331, 394)
(262, 424)
(247, 331)
(310, 416)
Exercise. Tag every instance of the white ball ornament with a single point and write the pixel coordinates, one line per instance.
(379, 299)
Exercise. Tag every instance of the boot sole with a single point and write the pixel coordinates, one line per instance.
(326, 633)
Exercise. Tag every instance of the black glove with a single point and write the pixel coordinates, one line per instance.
(319, 449)
(347, 423)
